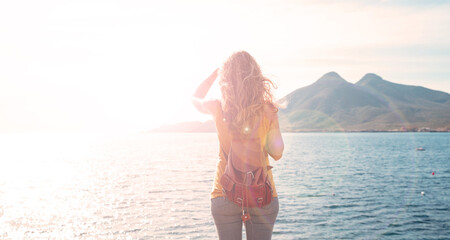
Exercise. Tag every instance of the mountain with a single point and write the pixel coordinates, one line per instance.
(372, 104)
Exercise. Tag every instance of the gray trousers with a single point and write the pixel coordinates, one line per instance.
(227, 217)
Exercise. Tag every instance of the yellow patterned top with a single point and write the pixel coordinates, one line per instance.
(224, 140)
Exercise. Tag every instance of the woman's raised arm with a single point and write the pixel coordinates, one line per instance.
(198, 99)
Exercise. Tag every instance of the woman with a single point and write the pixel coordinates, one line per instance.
(247, 103)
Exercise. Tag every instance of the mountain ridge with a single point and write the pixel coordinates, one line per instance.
(371, 104)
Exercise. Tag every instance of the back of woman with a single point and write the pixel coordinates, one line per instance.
(245, 110)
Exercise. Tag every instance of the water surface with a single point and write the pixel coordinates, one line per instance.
(156, 186)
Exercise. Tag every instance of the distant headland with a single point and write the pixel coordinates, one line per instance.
(331, 104)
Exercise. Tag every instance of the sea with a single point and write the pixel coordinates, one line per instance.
(157, 186)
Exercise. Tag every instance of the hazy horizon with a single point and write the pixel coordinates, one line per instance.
(132, 66)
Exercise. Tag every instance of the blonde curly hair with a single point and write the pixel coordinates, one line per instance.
(244, 91)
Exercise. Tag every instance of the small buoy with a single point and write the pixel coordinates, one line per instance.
(422, 193)
(334, 194)
(432, 173)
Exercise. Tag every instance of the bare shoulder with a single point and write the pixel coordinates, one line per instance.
(270, 111)
(212, 106)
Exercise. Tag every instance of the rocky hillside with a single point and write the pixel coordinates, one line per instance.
(372, 104)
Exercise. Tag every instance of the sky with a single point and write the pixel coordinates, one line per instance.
(133, 65)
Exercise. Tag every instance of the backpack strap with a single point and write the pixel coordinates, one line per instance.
(256, 131)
